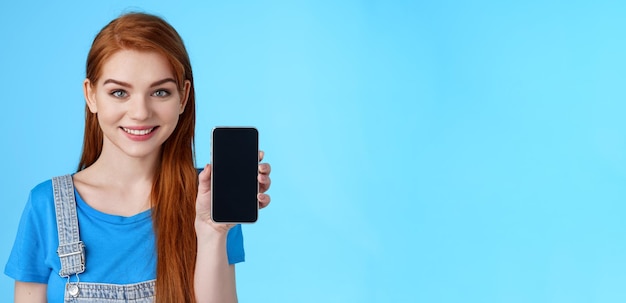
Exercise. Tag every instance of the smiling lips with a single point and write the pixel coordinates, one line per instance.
(139, 134)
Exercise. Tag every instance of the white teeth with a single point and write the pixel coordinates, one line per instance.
(138, 132)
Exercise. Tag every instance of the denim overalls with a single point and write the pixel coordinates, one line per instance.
(72, 255)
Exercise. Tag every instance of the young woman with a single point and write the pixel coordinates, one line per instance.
(133, 224)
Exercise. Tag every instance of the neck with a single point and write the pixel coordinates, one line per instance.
(117, 183)
(123, 170)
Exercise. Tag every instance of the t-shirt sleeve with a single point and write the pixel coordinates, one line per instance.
(234, 245)
(27, 259)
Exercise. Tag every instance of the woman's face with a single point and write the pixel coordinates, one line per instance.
(137, 102)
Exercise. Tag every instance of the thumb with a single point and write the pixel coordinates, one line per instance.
(204, 180)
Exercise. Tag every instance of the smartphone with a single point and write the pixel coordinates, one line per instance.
(235, 167)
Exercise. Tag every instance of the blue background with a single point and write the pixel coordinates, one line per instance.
(453, 151)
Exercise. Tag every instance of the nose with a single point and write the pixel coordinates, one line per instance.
(139, 108)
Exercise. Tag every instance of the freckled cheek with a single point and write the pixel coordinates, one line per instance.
(108, 115)
(170, 112)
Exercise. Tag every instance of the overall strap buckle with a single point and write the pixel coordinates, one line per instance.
(72, 256)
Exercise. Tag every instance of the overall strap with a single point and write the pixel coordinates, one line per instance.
(71, 249)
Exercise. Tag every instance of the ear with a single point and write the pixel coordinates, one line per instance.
(90, 96)
(185, 96)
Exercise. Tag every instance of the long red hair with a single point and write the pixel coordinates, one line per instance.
(175, 183)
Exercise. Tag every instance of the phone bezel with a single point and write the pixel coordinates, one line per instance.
(212, 171)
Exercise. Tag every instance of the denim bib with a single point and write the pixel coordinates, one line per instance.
(71, 252)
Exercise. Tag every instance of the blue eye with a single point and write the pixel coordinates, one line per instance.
(161, 93)
(119, 93)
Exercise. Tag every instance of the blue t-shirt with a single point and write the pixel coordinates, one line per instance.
(118, 250)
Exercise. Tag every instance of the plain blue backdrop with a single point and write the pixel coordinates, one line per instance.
(422, 151)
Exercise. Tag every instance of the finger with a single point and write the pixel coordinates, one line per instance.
(264, 200)
(261, 155)
(204, 179)
(265, 168)
(264, 182)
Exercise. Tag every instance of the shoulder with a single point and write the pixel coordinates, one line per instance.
(39, 207)
(41, 194)
(41, 197)
(46, 187)
(43, 188)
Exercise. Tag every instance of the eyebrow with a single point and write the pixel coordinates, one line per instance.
(125, 84)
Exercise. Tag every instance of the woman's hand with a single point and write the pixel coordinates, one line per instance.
(203, 201)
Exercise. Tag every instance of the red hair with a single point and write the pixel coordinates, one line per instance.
(175, 183)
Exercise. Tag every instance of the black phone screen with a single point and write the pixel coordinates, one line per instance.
(235, 166)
